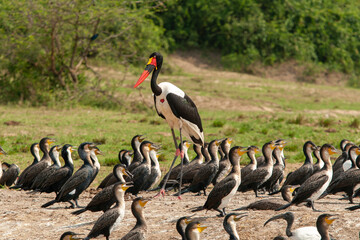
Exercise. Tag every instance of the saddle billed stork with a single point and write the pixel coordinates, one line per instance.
(177, 108)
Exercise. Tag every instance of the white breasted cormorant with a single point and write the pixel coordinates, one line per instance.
(57, 179)
(44, 174)
(261, 174)
(224, 190)
(229, 224)
(315, 185)
(112, 218)
(35, 152)
(138, 232)
(206, 173)
(193, 230)
(104, 199)
(78, 182)
(137, 156)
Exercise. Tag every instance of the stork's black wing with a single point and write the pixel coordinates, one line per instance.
(185, 108)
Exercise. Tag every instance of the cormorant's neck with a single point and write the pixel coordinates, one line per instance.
(214, 156)
(308, 157)
(252, 157)
(46, 155)
(154, 87)
(268, 158)
(140, 220)
(290, 222)
(323, 231)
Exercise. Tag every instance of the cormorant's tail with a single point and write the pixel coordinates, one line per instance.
(353, 208)
(48, 203)
(197, 209)
(283, 207)
(185, 190)
(240, 209)
(77, 212)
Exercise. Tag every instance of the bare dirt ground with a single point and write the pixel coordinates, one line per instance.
(23, 218)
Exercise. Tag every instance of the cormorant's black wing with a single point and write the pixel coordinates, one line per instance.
(309, 187)
(185, 108)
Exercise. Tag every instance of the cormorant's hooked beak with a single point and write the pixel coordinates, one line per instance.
(73, 237)
(239, 216)
(151, 65)
(280, 216)
(331, 218)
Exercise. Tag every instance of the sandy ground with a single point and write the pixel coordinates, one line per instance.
(23, 218)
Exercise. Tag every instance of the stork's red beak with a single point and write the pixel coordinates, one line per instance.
(148, 69)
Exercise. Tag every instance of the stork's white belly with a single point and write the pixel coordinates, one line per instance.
(162, 106)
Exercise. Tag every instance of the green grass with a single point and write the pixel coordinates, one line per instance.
(249, 109)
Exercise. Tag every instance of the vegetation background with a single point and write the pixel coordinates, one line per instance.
(67, 68)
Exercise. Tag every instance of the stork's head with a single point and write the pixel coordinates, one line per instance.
(155, 61)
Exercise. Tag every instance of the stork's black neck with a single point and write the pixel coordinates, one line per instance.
(154, 87)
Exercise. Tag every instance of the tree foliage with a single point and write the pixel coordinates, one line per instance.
(320, 31)
(46, 44)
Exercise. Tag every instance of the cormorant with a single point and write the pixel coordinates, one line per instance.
(112, 218)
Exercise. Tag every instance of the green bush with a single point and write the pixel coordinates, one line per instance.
(46, 45)
(248, 31)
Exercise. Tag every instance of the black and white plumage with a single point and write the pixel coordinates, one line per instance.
(78, 182)
(191, 169)
(104, 199)
(320, 232)
(35, 169)
(155, 171)
(306, 170)
(143, 171)
(343, 157)
(44, 174)
(9, 173)
(2, 152)
(224, 164)
(173, 105)
(347, 181)
(57, 179)
(315, 185)
(138, 232)
(112, 218)
(137, 156)
(35, 152)
(261, 174)
(319, 162)
(224, 190)
(252, 150)
(125, 157)
(173, 175)
(229, 224)
(206, 173)
(113, 178)
(278, 171)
